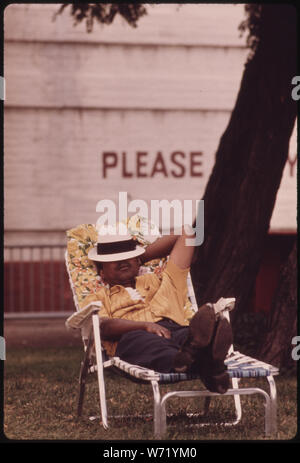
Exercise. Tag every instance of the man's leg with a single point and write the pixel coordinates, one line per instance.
(151, 351)
(200, 348)
(206, 348)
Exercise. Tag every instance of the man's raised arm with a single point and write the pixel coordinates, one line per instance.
(174, 245)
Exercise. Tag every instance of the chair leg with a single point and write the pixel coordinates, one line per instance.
(158, 418)
(273, 405)
(100, 374)
(83, 375)
(81, 390)
(237, 401)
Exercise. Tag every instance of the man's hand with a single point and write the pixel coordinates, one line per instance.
(155, 328)
(113, 328)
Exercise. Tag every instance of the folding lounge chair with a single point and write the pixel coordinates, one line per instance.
(84, 282)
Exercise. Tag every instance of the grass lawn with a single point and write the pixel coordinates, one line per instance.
(40, 400)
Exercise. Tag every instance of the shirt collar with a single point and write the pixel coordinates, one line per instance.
(117, 288)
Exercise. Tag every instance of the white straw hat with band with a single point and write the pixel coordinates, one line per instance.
(113, 248)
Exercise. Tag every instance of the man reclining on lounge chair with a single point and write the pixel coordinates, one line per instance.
(144, 314)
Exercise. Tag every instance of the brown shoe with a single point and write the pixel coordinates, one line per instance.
(216, 382)
(222, 340)
(201, 330)
(211, 362)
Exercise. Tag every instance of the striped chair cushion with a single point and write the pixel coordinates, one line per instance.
(243, 366)
(238, 366)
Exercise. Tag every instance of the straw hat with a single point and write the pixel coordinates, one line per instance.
(111, 248)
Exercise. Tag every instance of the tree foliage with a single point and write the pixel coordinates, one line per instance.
(104, 13)
(252, 23)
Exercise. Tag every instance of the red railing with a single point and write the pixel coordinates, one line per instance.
(36, 281)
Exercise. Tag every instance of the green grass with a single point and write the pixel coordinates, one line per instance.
(40, 400)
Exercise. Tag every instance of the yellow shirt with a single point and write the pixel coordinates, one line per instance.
(163, 297)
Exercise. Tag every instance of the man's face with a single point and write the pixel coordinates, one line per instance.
(121, 272)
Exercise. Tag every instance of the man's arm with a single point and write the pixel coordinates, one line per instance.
(173, 245)
(159, 248)
(112, 329)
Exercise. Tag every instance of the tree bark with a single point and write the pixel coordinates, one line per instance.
(252, 153)
(282, 327)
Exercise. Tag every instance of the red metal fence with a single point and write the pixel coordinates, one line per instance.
(36, 281)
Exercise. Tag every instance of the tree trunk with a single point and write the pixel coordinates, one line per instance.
(252, 153)
(282, 327)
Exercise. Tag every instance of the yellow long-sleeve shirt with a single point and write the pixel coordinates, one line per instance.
(162, 296)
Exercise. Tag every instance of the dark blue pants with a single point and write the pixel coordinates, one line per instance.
(150, 350)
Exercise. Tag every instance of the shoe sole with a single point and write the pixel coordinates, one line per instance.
(222, 340)
(201, 331)
(202, 327)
